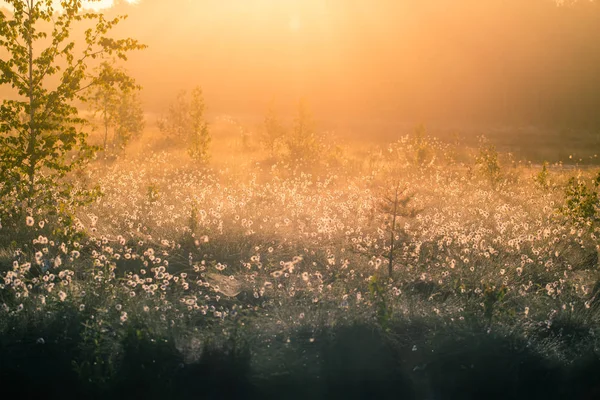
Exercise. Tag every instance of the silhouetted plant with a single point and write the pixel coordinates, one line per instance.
(488, 161)
(113, 96)
(185, 121)
(303, 142)
(394, 204)
(541, 177)
(273, 132)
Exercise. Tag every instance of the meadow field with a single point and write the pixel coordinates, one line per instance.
(268, 275)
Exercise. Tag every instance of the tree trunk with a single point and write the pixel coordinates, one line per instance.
(32, 129)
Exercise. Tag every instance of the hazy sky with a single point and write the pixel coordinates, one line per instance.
(500, 61)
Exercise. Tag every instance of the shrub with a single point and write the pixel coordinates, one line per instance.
(304, 145)
(185, 122)
(581, 200)
(488, 162)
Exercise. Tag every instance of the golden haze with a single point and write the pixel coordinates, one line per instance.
(432, 61)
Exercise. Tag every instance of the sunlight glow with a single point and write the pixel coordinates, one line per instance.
(103, 4)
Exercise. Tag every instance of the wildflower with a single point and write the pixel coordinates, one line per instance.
(29, 220)
(123, 316)
(62, 295)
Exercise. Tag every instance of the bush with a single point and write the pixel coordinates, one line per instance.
(581, 200)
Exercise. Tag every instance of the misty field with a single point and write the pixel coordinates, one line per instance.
(254, 277)
(282, 199)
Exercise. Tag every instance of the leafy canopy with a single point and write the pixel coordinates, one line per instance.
(42, 139)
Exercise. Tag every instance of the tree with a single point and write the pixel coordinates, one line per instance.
(42, 139)
(199, 135)
(273, 131)
(113, 96)
(304, 144)
(185, 121)
(176, 124)
(394, 204)
(129, 119)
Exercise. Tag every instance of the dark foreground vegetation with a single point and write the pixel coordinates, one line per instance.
(414, 360)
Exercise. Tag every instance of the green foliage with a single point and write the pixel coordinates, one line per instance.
(152, 193)
(273, 132)
(42, 140)
(97, 363)
(176, 124)
(114, 97)
(581, 200)
(200, 136)
(394, 203)
(541, 179)
(194, 214)
(421, 145)
(492, 295)
(130, 119)
(488, 161)
(304, 144)
(377, 292)
(185, 121)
